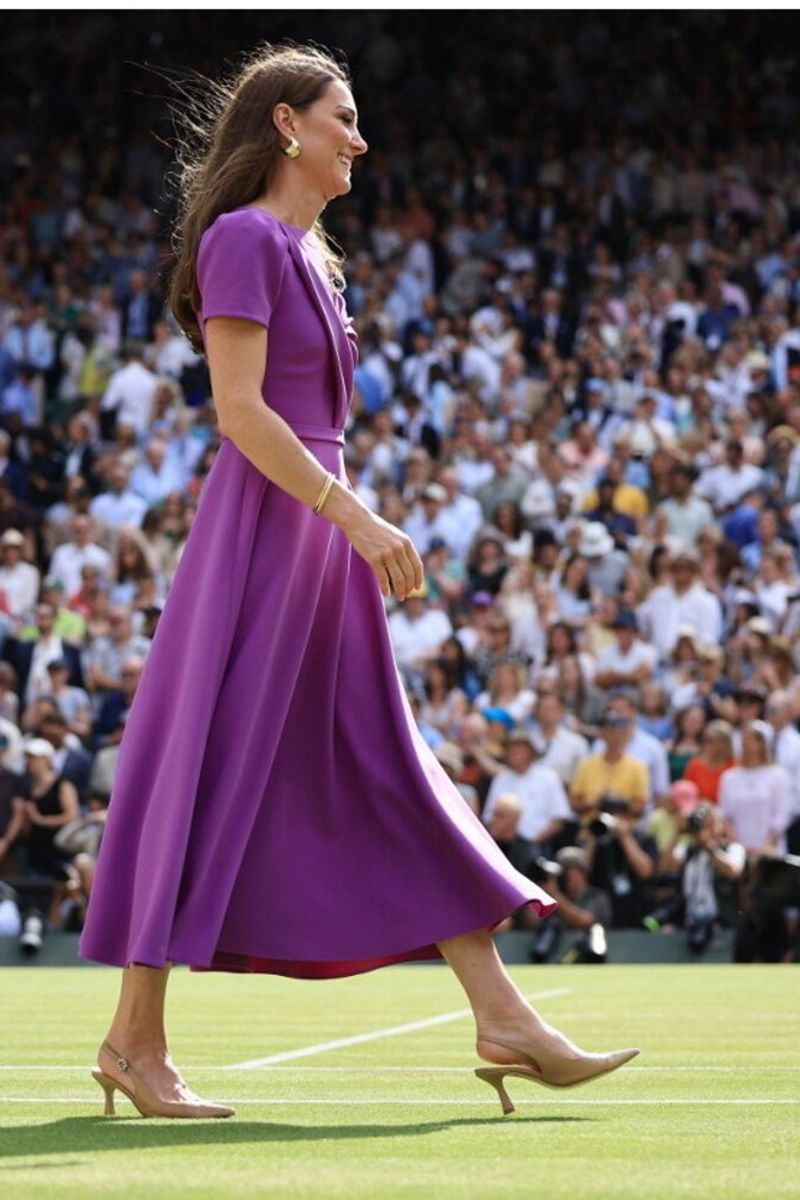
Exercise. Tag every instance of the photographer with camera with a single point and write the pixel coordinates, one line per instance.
(710, 865)
(581, 908)
(609, 793)
(622, 859)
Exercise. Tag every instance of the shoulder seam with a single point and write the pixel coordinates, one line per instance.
(274, 225)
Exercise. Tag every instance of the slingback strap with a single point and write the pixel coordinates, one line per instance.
(122, 1063)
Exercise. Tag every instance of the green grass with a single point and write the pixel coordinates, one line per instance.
(709, 1108)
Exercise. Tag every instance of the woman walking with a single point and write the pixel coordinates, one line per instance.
(270, 726)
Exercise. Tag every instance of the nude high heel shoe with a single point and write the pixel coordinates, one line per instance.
(144, 1098)
(549, 1068)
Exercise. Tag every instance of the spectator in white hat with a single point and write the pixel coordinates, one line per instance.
(426, 520)
(545, 807)
(19, 579)
(608, 565)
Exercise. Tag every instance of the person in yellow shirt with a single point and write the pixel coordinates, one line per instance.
(609, 791)
(629, 500)
(610, 773)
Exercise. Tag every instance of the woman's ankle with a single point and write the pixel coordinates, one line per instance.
(499, 1020)
(144, 1043)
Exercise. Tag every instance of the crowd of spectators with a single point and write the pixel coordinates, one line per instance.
(578, 392)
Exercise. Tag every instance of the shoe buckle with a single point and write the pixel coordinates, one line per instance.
(122, 1064)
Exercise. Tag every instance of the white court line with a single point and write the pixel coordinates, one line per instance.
(422, 1070)
(309, 1103)
(359, 1038)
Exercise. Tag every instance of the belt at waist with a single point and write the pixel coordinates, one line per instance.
(318, 433)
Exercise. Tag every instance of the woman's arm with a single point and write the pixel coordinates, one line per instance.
(237, 351)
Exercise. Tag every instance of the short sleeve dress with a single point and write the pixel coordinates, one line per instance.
(274, 807)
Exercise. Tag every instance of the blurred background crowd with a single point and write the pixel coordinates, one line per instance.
(578, 391)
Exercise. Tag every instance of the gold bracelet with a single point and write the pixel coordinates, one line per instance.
(330, 479)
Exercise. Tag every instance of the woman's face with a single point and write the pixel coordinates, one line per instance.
(329, 137)
(560, 641)
(449, 651)
(694, 723)
(504, 517)
(507, 677)
(436, 676)
(489, 552)
(753, 752)
(576, 574)
(717, 748)
(684, 650)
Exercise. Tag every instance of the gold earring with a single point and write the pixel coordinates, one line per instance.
(293, 149)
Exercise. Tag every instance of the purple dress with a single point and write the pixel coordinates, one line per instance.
(274, 806)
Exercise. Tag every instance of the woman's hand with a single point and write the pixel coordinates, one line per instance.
(390, 552)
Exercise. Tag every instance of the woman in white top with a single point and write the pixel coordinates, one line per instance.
(755, 797)
(507, 688)
(517, 541)
(573, 592)
(445, 704)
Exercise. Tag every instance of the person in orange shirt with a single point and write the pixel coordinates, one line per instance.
(715, 757)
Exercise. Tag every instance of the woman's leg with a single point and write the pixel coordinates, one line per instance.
(138, 1030)
(139, 1019)
(499, 1006)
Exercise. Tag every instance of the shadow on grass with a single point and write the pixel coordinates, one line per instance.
(73, 1134)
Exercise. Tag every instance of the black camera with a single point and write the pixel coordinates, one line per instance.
(617, 806)
(776, 882)
(543, 870)
(611, 807)
(697, 817)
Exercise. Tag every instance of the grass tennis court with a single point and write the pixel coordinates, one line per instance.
(710, 1107)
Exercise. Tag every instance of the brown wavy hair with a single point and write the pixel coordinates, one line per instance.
(228, 151)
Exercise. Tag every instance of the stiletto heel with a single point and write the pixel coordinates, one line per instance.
(108, 1085)
(494, 1076)
(549, 1068)
(142, 1096)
